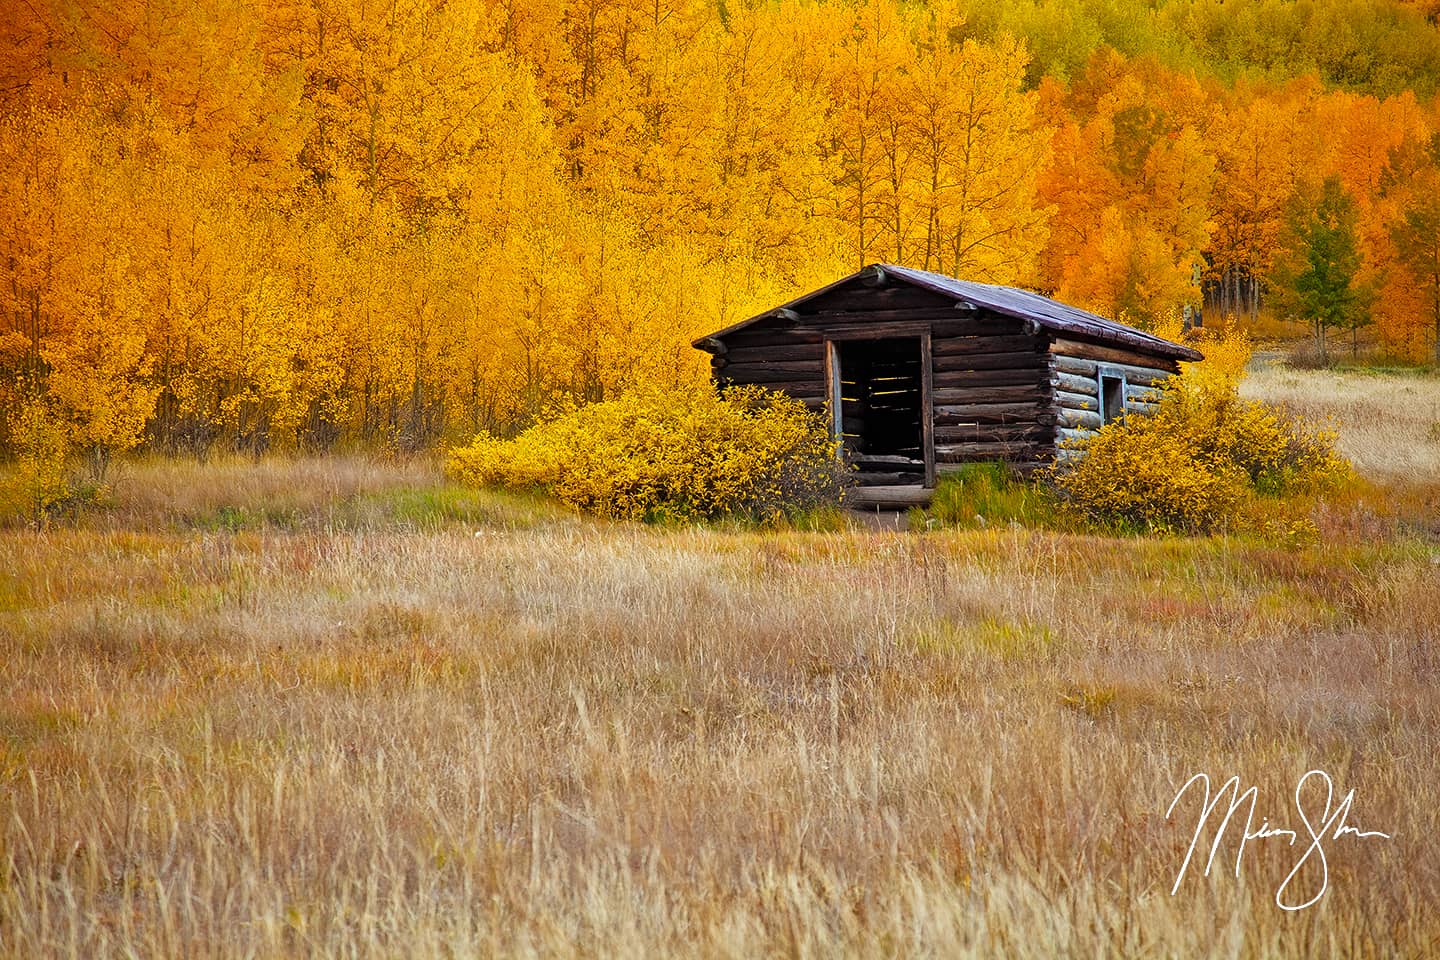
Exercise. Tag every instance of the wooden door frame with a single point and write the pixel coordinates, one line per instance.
(927, 408)
(833, 397)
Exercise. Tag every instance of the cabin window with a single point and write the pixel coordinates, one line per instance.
(1112, 397)
(879, 419)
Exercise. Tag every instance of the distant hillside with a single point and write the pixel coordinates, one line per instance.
(1379, 47)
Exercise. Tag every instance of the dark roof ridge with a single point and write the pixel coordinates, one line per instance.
(1050, 314)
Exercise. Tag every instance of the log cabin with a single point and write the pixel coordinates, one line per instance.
(920, 372)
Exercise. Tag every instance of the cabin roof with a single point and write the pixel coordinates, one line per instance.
(1010, 301)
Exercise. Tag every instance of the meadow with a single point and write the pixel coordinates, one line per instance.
(339, 707)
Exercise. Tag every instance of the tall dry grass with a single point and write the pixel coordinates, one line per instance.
(1388, 424)
(340, 709)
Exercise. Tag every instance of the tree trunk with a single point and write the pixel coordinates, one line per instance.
(1437, 322)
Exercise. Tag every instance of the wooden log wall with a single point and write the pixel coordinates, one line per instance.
(992, 395)
(1075, 378)
(791, 360)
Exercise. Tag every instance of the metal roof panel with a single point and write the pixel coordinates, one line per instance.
(1010, 301)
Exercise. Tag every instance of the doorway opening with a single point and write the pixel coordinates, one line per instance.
(880, 383)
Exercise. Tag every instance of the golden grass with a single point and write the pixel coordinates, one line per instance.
(1388, 424)
(337, 708)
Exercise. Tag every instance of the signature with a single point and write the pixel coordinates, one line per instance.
(1331, 824)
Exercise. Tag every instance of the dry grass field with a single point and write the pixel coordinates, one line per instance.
(1389, 424)
(339, 708)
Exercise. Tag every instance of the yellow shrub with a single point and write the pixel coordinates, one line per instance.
(669, 456)
(1227, 350)
(1227, 354)
(42, 444)
(1137, 475)
(1198, 460)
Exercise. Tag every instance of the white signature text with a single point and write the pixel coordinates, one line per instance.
(1329, 822)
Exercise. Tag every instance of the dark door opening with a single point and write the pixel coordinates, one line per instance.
(880, 385)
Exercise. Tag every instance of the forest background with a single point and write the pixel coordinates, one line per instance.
(336, 223)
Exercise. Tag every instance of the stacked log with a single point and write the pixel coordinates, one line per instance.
(792, 360)
(1075, 378)
(992, 394)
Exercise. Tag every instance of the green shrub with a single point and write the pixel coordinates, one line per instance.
(989, 493)
(670, 456)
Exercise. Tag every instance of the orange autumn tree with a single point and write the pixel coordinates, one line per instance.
(1132, 184)
(1415, 238)
(310, 223)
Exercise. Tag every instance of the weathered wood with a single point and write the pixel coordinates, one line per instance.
(888, 498)
(1076, 401)
(1092, 351)
(901, 323)
(1074, 365)
(992, 433)
(974, 344)
(949, 414)
(875, 478)
(949, 396)
(1072, 435)
(834, 390)
(887, 459)
(887, 330)
(993, 361)
(970, 452)
(766, 371)
(820, 318)
(712, 345)
(1135, 379)
(798, 388)
(974, 327)
(814, 352)
(1144, 377)
(954, 379)
(1070, 383)
(855, 298)
(1135, 406)
(1081, 418)
(1134, 393)
(927, 408)
(772, 337)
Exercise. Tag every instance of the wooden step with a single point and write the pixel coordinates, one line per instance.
(888, 497)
